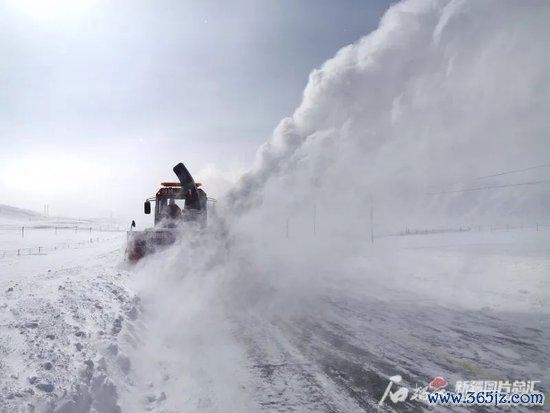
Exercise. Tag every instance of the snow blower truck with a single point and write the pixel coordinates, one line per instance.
(175, 203)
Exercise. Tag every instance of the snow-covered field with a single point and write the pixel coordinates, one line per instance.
(214, 329)
(27, 232)
(39, 240)
(58, 311)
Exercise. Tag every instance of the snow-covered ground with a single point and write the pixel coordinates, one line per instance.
(208, 327)
(24, 232)
(56, 311)
(41, 240)
(322, 330)
(59, 311)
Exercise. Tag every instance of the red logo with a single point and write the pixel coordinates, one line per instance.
(438, 383)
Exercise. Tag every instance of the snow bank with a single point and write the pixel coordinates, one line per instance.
(61, 317)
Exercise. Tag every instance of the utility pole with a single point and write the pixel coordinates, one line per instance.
(371, 220)
(287, 229)
(314, 219)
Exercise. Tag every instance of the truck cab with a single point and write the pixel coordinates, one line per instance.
(173, 204)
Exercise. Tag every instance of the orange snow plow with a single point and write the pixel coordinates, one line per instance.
(175, 203)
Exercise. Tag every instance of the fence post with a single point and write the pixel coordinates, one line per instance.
(22, 232)
(18, 252)
(537, 227)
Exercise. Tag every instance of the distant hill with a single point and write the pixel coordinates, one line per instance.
(18, 214)
(12, 217)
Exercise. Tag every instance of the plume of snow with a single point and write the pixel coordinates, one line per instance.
(443, 92)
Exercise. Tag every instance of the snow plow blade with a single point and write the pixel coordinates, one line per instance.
(142, 243)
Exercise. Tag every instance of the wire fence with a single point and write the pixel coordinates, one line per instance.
(44, 239)
(59, 228)
(97, 234)
(468, 228)
(298, 228)
(44, 250)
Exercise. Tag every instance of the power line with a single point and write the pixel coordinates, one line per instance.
(492, 176)
(482, 188)
(514, 171)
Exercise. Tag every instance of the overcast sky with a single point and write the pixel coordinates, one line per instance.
(99, 99)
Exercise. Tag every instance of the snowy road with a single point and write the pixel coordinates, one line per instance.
(339, 359)
(461, 306)
(337, 352)
(80, 332)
